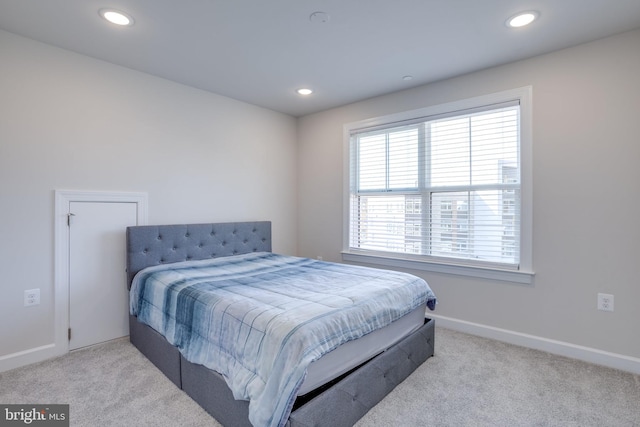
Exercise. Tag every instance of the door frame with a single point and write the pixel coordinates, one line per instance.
(63, 198)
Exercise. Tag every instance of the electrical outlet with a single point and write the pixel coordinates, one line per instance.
(31, 297)
(605, 302)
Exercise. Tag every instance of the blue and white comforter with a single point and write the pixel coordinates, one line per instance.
(260, 319)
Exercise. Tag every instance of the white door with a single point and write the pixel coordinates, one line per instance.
(98, 297)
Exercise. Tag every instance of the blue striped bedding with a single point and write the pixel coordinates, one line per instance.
(260, 319)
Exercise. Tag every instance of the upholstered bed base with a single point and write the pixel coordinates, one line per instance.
(339, 403)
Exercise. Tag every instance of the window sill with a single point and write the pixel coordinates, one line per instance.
(513, 276)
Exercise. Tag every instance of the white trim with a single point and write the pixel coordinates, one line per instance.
(526, 182)
(561, 348)
(525, 272)
(27, 357)
(63, 198)
(482, 272)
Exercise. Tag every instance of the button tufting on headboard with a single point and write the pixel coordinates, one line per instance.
(152, 245)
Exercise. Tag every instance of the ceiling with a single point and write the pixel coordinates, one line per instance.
(261, 51)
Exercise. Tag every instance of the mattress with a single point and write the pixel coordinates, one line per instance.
(353, 353)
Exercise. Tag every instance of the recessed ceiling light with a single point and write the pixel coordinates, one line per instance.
(522, 19)
(407, 78)
(116, 17)
(304, 91)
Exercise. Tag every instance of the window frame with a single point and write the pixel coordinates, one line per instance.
(524, 274)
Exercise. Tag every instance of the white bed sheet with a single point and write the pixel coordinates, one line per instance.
(353, 353)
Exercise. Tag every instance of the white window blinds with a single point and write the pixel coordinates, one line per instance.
(444, 187)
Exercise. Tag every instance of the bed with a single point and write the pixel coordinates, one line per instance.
(339, 387)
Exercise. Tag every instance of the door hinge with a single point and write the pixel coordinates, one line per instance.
(69, 215)
(69, 333)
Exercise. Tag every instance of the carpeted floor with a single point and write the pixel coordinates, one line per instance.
(471, 381)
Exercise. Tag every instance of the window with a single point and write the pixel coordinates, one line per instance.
(443, 186)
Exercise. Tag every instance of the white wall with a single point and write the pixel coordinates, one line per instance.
(586, 202)
(71, 122)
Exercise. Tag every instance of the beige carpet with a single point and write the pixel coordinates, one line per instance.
(471, 381)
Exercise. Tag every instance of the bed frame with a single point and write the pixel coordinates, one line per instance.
(341, 402)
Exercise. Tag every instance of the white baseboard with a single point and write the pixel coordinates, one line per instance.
(27, 357)
(586, 354)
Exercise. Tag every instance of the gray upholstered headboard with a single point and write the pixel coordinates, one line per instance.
(149, 245)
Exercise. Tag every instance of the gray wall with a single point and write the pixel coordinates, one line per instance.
(71, 122)
(74, 123)
(586, 202)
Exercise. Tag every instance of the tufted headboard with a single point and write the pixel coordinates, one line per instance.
(149, 245)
